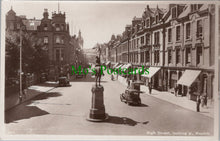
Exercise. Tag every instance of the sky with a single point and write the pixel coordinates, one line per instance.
(96, 20)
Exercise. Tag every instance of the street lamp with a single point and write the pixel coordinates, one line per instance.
(20, 73)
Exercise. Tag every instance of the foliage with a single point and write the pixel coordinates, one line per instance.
(34, 54)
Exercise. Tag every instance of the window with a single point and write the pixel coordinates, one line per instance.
(199, 55)
(58, 41)
(177, 33)
(157, 19)
(11, 26)
(62, 55)
(147, 57)
(142, 57)
(137, 42)
(156, 56)
(174, 15)
(169, 56)
(142, 40)
(62, 27)
(148, 22)
(45, 27)
(199, 28)
(188, 55)
(57, 27)
(178, 55)
(169, 35)
(156, 38)
(46, 40)
(188, 31)
(57, 55)
(148, 39)
(18, 26)
(62, 40)
(195, 7)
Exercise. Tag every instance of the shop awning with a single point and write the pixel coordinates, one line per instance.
(107, 63)
(115, 65)
(152, 72)
(119, 66)
(126, 66)
(136, 71)
(188, 77)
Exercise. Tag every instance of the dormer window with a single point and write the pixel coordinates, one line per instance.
(147, 22)
(174, 12)
(45, 27)
(157, 19)
(195, 7)
(57, 27)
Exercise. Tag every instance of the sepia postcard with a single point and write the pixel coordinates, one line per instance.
(89, 70)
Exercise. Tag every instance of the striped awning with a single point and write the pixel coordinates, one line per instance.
(152, 72)
(188, 77)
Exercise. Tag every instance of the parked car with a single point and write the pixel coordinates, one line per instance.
(63, 81)
(79, 75)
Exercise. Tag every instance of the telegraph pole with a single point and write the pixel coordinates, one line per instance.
(20, 94)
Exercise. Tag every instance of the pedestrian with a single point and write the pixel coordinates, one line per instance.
(202, 100)
(149, 87)
(128, 81)
(176, 90)
(198, 102)
(205, 100)
(112, 77)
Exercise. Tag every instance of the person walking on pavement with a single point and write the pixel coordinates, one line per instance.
(149, 87)
(176, 90)
(198, 102)
(128, 81)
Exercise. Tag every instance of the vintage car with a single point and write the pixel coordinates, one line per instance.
(63, 81)
(79, 75)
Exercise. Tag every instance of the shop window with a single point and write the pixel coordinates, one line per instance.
(188, 31)
(199, 55)
(177, 33)
(169, 35)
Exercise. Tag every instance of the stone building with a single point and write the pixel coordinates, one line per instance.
(176, 44)
(54, 33)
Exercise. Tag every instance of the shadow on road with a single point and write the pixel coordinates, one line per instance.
(46, 96)
(124, 121)
(25, 111)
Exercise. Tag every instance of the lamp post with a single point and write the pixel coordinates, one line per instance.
(20, 73)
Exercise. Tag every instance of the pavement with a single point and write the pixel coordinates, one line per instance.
(177, 100)
(32, 91)
(64, 110)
